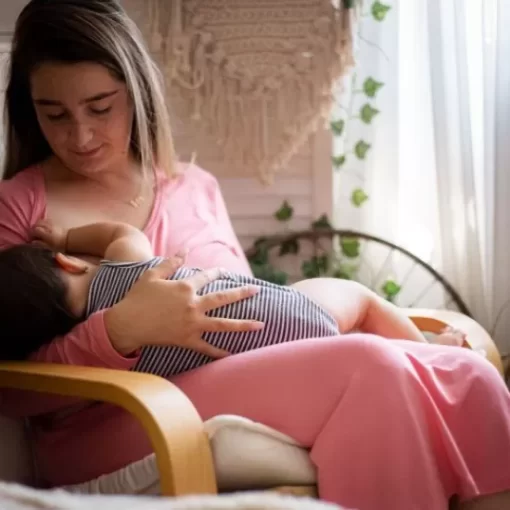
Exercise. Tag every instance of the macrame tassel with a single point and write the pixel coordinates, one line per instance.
(262, 107)
(155, 40)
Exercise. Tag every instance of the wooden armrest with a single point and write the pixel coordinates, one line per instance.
(173, 425)
(477, 338)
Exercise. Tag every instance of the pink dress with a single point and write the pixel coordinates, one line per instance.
(391, 425)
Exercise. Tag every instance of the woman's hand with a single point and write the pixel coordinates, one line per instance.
(157, 311)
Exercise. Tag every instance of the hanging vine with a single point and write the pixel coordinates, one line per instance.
(366, 113)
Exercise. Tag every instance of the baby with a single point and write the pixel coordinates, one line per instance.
(47, 292)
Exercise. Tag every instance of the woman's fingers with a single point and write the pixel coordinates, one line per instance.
(202, 278)
(230, 325)
(227, 297)
(203, 347)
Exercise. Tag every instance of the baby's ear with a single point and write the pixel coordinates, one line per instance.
(71, 264)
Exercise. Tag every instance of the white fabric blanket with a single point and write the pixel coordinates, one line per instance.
(17, 497)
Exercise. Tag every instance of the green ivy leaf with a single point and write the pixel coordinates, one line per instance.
(367, 113)
(322, 223)
(371, 87)
(285, 212)
(261, 254)
(350, 247)
(342, 274)
(345, 272)
(337, 127)
(269, 274)
(290, 246)
(361, 149)
(338, 161)
(315, 267)
(358, 197)
(391, 289)
(379, 10)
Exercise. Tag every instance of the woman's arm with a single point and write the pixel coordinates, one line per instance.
(88, 343)
(17, 205)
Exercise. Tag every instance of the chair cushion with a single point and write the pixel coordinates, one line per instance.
(247, 455)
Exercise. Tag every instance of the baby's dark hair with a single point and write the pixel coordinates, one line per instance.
(33, 304)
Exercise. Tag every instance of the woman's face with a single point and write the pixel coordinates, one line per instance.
(85, 114)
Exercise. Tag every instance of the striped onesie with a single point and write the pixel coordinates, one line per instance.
(288, 315)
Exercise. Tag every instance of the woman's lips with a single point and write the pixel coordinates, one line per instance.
(87, 154)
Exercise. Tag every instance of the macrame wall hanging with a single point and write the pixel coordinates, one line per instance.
(258, 74)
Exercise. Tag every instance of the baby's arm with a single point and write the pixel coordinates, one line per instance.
(114, 241)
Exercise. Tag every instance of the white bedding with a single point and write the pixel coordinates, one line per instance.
(17, 497)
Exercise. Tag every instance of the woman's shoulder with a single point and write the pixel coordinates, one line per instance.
(192, 174)
(24, 184)
(20, 203)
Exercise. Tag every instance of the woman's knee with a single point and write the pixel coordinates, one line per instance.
(474, 365)
(370, 353)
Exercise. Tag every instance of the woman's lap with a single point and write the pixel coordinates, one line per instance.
(274, 383)
(361, 402)
(389, 423)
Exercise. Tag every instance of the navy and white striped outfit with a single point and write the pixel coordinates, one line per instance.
(288, 315)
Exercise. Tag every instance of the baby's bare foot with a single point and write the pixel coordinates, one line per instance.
(450, 336)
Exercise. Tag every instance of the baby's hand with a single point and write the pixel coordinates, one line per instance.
(48, 233)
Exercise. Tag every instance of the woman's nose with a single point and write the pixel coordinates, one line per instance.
(80, 134)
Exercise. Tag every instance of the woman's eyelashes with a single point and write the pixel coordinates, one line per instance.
(65, 115)
(101, 111)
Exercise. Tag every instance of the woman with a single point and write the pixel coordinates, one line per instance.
(391, 425)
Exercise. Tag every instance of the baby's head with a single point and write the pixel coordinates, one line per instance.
(33, 300)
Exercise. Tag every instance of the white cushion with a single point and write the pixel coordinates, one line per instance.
(17, 497)
(247, 455)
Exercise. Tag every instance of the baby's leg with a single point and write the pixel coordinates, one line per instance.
(357, 308)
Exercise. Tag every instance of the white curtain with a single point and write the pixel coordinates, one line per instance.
(436, 172)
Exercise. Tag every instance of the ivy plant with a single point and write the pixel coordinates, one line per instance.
(342, 261)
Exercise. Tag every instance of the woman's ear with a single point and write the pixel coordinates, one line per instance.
(71, 264)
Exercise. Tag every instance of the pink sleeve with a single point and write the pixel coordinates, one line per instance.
(86, 345)
(226, 251)
(18, 205)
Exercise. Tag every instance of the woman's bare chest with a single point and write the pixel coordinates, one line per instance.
(71, 207)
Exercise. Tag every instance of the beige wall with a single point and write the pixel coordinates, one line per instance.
(9, 10)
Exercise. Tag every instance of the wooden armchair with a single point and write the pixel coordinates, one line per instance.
(180, 443)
